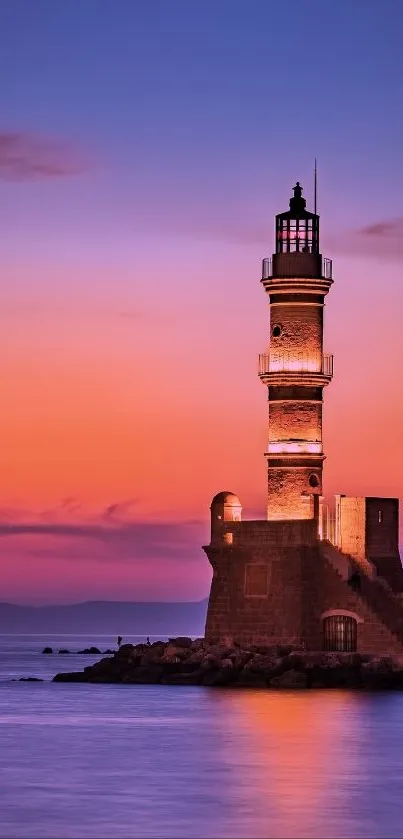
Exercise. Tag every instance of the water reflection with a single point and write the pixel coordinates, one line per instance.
(307, 763)
(86, 761)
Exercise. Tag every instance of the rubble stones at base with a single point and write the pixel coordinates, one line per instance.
(181, 661)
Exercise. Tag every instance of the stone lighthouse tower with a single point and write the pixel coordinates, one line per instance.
(297, 578)
(295, 368)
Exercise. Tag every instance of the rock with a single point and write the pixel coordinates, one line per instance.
(221, 651)
(290, 679)
(29, 679)
(181, 679)
(294, 661)
(246, 679)
(64, 652)
(108, 652)
(152, 655)
(261, 664)
(383, 664)
(199, 644)
(330, 660)
(284, 650)
(182, 641)
(210, 662)
(127, 649)
(90, 651)
(382, 672)
(240, 657)
(69, 677)
(143, 676)
(174, 652)
(217, 677)
(183, 661)
(47, 651)
(262, 649)
(197, 656)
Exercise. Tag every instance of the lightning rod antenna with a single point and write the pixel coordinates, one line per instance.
(315, 192)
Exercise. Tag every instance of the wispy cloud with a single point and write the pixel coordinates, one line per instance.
(25, 156)
(121, 536)
(385, 236)
(379, 239)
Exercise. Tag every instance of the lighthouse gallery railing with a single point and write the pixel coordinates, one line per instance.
(275, 362)
(267, 268)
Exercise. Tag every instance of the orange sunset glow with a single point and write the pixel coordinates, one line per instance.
(135, 218)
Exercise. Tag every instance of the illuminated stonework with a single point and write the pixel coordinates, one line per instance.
(295, 369)
(310, 574)
(294, 447)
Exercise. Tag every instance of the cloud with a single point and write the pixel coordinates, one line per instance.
(379, 239)
(109, 535)
(119, 509)
(386, 237)
(26, 156)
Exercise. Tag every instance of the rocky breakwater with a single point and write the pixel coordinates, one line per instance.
(183, 661)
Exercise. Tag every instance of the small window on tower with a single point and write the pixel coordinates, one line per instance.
(380, 516)
(277, 330)
(313, 481)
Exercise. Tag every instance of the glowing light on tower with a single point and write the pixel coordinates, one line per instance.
(295, 368)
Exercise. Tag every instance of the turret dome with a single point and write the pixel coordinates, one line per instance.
(226, 498)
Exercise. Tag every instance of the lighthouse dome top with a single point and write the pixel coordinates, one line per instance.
(297, 230)
(297, 207)
(297, 202)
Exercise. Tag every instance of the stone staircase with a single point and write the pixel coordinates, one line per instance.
(372, 590)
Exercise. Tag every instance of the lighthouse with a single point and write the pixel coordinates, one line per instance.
(287, 579)
(295, 368)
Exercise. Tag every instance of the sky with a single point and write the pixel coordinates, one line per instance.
(145, 148)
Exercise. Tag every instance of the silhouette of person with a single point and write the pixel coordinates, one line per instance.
(148, 641)
(120, 639)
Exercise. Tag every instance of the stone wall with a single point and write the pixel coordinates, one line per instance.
(382, 539)
(302, 329)
(262, 613)
(300, 420)
(289, 489)
(351, 516)
(368, 529)
(274, 585)
(299, 532)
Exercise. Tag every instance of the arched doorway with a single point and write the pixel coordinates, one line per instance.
(340, 634)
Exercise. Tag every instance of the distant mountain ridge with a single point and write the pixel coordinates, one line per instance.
(106, 617)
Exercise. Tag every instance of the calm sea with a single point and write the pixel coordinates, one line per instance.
(153, 761)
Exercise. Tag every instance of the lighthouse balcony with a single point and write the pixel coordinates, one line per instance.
(297, 264)
(293, 368)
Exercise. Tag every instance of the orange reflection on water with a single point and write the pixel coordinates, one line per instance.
(287, 739)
